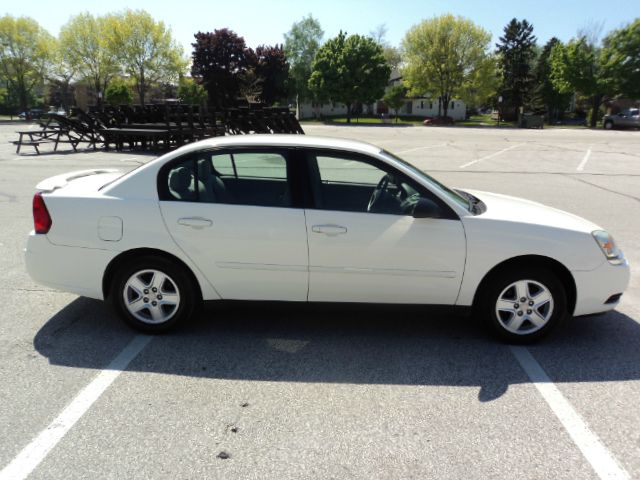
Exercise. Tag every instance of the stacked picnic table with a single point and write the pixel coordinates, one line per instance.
(154, 126)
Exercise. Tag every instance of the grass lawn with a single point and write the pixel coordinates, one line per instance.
(6, 118)
(364, 120)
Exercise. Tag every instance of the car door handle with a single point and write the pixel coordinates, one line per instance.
(331, 230)
(195, 222)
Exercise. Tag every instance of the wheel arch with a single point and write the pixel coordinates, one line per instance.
(128, 255)
(541, 261)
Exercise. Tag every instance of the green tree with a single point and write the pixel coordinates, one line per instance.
(546, 95)
(118, 92)
(517, 52)
(448, 56)
(60, 76)
(394, 97)
(621, 60)
(577, 67)
(190, 92)
(393, 56)
(89, 50)
(146, 50)
(24, 56)
(349, 70)
(301, 44)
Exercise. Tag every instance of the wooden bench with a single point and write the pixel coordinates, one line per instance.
(120, 136)
(30, 143)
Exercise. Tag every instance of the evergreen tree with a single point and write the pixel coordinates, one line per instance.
(516, 52)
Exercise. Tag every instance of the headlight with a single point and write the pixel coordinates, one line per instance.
(608, 246)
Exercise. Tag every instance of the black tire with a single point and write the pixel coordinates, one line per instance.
(495, 288)
(608, 125)
(179, 281)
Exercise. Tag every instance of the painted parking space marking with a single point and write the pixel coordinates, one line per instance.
(593, 450)
(495, 154)
(36, 451)
(584, 161)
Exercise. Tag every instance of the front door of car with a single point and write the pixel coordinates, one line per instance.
(232, 212)
(366, 246)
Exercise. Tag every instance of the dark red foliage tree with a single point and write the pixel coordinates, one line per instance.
(220, 59)
(272, 69)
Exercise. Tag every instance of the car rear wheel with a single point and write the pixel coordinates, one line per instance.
(523, 305)
(608, 125)
(153, 294)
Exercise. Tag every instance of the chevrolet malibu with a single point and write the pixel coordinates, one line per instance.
(304, 219)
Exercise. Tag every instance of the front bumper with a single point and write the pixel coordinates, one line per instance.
(71, 269)
(597, 286)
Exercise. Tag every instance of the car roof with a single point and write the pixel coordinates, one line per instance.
(290, 140)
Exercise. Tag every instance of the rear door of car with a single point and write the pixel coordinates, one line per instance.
(381, 254)
(236, 213)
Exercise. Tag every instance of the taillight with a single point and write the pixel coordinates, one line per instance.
(41, 218)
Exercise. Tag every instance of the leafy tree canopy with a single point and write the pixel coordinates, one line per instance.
(394, 97)
(219, 59)
(145, 49)
(272, 70)
(621, 60)
(349, 70)
(190, 92)
(447, 56)
(118, 92)
(24, 56)
(301, 44)
(577, 67)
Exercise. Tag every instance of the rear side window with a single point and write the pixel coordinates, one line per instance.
(257, 178)
(181, 181)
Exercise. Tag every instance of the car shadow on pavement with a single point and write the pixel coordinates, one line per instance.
(369, 344)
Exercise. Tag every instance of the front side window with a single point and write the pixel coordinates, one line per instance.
(231, 177)
(357, 185)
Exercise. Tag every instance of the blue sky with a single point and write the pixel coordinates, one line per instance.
(265, 21)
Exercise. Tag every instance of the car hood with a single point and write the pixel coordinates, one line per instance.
(520, 210)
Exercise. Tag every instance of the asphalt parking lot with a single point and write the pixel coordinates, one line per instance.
(299, 392)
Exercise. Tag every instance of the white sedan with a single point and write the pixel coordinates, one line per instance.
(303, 219)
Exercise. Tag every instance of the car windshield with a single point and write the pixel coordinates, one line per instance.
(432, 182)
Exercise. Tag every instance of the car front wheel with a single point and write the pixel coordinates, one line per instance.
(608, 125)
(153, 294)
(522, 306)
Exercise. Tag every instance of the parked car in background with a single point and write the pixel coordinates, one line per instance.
(310, 219)
(31, 114)
(629, 118)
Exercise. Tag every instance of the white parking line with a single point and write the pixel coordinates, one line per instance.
(584, 161)
(31, 455)
(593, 450)
(490, 156)
(421, 148)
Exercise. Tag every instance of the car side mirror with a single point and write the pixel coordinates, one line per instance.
(426, 208)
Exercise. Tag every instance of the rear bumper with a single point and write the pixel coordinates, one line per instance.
(71, 269)
(596, 287)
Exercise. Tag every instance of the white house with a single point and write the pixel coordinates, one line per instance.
(414, 107)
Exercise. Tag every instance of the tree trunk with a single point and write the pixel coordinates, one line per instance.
(142, 87)
(348, 113)
(595, 106)
(445, 104)
(22, 94)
